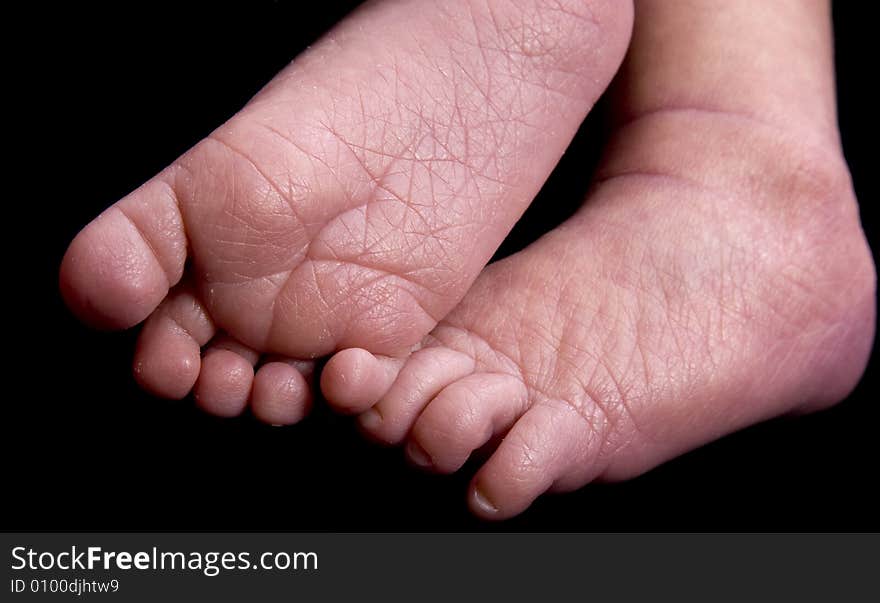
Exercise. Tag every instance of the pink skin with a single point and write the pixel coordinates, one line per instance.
(716, 276)
(352, 202)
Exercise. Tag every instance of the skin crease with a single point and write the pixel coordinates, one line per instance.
(717, 276)
(352, 201)
(357, 196)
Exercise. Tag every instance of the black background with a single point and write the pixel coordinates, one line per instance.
(99, 101)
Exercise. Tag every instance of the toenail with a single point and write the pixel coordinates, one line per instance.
(370, 419)
(418, 455)
(482, 502)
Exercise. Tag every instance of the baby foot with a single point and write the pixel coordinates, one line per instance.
(640, 329)
(717, 276)
(354, 200)
(169, 360)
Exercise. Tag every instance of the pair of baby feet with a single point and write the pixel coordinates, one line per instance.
(715, 276)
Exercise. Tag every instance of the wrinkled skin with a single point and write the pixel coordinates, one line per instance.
(716, 276)
(644, 326)
(353, 201)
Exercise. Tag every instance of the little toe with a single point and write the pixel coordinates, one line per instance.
(422, 377)
(167, 359)
(463, 417)
(353, 380)
(119, 268)
(226, 379)
(541, 448)
(282, 393)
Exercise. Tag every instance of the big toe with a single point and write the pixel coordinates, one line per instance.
(119, 268)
